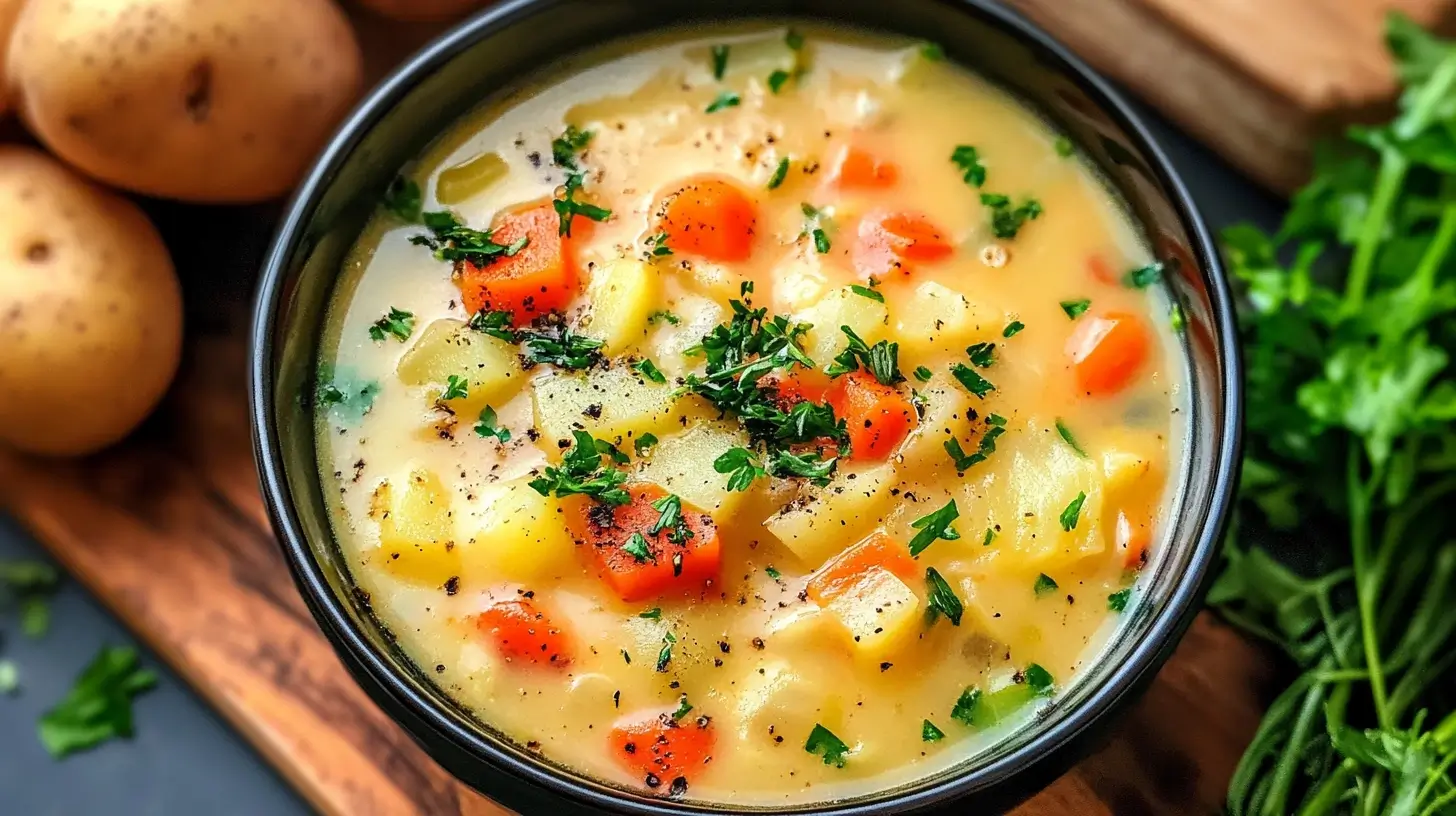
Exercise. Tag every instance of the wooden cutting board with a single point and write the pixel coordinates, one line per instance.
(168, 528)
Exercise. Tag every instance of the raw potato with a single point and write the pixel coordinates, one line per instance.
(9, 10)
(418, 10)
(89, 304)
(217, 101)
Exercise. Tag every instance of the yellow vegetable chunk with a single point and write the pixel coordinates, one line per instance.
(623, 293)
(523, 537)
(835, 516)
(416, 532)
(880, 614)
(683, 464)
(1041, 477)
(696, 317)
(616, 404)
(799, 280)
(491, 367)
(842, 307)
(947, 407)
(470, 178)
(936, 318)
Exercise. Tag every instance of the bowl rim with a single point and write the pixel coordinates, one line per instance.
(1145, 657)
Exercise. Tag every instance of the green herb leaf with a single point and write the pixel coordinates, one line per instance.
(568, 206)
(457, 387)
(664, 315)
(933, 527)
(964, 710)
(725, 99)
(564, 148)
(821, 240)
(636, 546)
(664, 655)
(742, 467)
(683, 707)
(669, 510)
(583, 473)
(866, 292)
(809, 465)
(1072, 512)
(772, 572)
(929, 733)
(450, 240)
(657, 248)
(989, 537)
(559, 346)
(655, 613)
(98, 706)
(1044, 585)
(941, 599)
(720, 61)
(1039, 680)
(1064, 147)
(923, 374)
(489, 425)
(644, 443)
(1117, 601)
(1176, 320)
(794, 40)
(973, 382)
(982, 355)
(823, 742)
(1076, 308)
(776, 82)
(1066, 434)
(969, 161)
(882, 359)
(397, 323)
(1006, 220)
(779, 174)
(932, 51)
(1144, 276)
(403, 198)
(648, 369)
(1012, 328)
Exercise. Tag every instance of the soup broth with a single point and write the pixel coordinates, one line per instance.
(822, 452)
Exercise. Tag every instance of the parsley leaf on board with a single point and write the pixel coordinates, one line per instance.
(98, 706)
(934, 527)
(822, 741)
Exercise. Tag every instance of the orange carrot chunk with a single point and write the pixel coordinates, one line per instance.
(889, 243)
(523, 634)
(709, 217)
(652, 565)
(791, 388)
(858, 168)
(543, 276)
(877, 416)
(1108, 351)
(842, 572)
(661, 749)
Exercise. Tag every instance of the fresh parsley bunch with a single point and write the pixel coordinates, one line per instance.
(1348, 342)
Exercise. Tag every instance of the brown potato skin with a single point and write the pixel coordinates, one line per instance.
(217, 101)
(422, 10)
(9, 10)
(90, 310)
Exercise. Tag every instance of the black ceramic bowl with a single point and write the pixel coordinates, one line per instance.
(498, 49)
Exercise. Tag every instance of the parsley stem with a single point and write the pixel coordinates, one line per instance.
(1393, 167)
(1366, 578)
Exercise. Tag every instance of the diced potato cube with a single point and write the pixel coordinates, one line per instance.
(919, 65)
(491, 367)
(714, 280)
(683, 464)
(616, 404)
(696, 317)
(947, 407)
(799, 280)
(842, 307)
(416, 533)
(880, 614)
(523, 537)
(936, 318)
(836, 516)
(760, 56)
(623, 293)
(1043, 477)
(774, 699)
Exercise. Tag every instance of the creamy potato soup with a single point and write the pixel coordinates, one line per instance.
(770, 415)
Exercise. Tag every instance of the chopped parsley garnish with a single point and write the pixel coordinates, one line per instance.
(644, 443)
(1144, 276)
(1039, 680)
(402, 197)
(1044, 584)
(564, 148)
(995, 427)
(779, 174)
(98, 706)
(568, 206)
(655, 613)
(821, 240)
(560, 347)
(867, 292)
(794, 40)
(974, 383)
(1066, 434)
(881, 360)
(488, 426)
(649, 369)
(398, 324)
(636, 546)
(982, 354)
(1064, 146)
(664, 655)
(663, 314)
(457, 387)
(1073, 511)
(932, 51)
(941, 599)
(1076, 308)
(1012, 328)
(777, 79)
(742, 467)
(1117, 601)
(1007, 220)
(671, 518)
(583, 473)
(929, 733)
(720, 60)
(726, 99)
(989, 537)
(658, 248)
(452, 241)
(683, 707)
(972, 171)
(497, 324)
(923, 374)
(814, 226)
(808, 465)
(933, 527)
(964, 709)
(823, 742)
(772, 572)
(612, 452)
